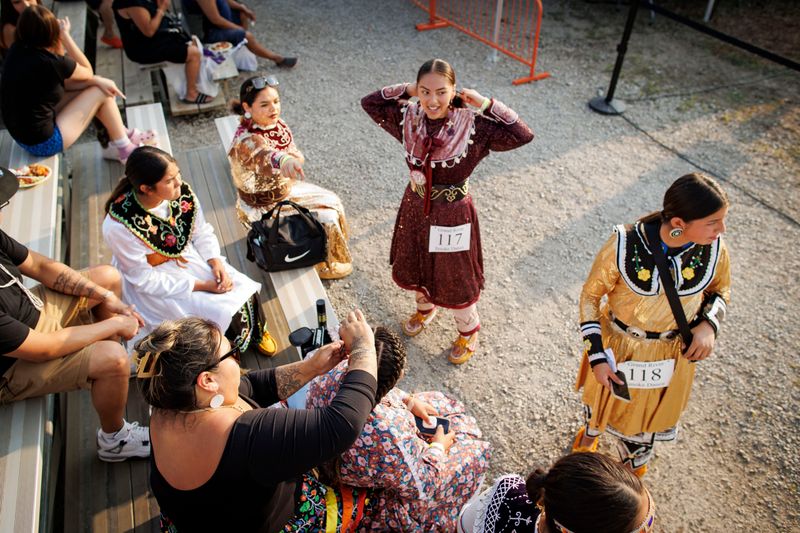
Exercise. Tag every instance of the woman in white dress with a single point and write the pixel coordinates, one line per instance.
(169, 257)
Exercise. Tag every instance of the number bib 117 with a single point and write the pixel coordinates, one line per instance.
(450, 238)
(647, 375)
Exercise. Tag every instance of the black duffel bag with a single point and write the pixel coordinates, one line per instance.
(285, 242)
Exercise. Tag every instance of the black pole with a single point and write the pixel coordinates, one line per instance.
(607, 105)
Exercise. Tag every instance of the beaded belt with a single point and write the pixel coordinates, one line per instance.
(639, 333)
(450, 193)
(263, 199)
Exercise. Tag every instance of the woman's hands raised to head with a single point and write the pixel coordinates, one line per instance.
(472, 97)
(65, 25)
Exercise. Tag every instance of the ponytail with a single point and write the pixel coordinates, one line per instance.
(655, 216)
(535, 484)
(121, 188)
(236, 106)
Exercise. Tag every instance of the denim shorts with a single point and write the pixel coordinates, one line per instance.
(52, 146)
(216, 35)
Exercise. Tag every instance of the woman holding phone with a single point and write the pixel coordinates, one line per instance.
(635, 327)
(436, 249)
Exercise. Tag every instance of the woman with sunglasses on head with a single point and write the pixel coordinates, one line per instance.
(50, 93)
(215, 446)
(267, 167)
(627, 319)
(580, 493)
(436, 249)
(169, 257)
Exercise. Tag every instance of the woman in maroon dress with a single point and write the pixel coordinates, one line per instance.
(436, 249)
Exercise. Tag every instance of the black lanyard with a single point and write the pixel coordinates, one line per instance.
(654, 240)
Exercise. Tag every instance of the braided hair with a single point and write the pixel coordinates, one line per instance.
(391, 360)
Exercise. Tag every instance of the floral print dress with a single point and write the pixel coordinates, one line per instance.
(423, 489)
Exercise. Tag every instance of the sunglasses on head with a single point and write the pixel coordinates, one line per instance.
(263, 82)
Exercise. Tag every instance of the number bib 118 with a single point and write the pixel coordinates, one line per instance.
(647, 375)
(450, 238)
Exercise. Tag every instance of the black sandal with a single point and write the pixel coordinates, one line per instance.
(287, 62)
(200, 99)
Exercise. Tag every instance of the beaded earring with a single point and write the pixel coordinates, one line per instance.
(675, 233)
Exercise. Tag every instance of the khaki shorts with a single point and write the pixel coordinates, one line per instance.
(27, 379)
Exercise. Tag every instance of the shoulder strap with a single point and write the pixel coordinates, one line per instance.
(654, 240)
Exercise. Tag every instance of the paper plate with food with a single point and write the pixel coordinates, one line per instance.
(222, 46)
(33, 174)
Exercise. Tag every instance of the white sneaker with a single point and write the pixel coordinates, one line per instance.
(132, 440)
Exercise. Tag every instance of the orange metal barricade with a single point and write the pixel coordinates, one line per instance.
(509, 26)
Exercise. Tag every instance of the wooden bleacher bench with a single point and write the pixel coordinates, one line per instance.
(297, 289)
(30, 442)
(103, 496)
(77, 13)
(116, 496)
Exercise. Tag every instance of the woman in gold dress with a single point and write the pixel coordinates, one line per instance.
(634, 326)
(267, 167)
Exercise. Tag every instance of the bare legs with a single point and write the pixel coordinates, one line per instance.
(80, 107)
(107, 16)
(108, 363)
(193, 57)
(259, 49)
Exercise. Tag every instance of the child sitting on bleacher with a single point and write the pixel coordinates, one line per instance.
(150, 36)
(169, 257)
(9, 15)
(421, 483)
(50, 93)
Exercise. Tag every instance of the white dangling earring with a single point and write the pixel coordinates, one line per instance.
(216, 401)
(677, 232)
(248, 115)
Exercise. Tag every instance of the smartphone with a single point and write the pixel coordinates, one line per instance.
(429, 430)
(620, 392)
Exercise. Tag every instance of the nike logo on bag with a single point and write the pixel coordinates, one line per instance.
(293, 259)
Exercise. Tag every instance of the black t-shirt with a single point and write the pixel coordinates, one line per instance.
(17, 314)
(33, 84)
(137, 45)
(267, 452)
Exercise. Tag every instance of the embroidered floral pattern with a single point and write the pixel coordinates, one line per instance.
(694, 267)
(164, 236)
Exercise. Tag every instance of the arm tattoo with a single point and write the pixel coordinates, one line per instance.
(70, 282)
(288, 380)
(361, 350)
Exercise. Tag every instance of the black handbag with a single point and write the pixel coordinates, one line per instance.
(278, 242)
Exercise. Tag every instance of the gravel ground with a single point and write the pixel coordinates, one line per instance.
(546, 209)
